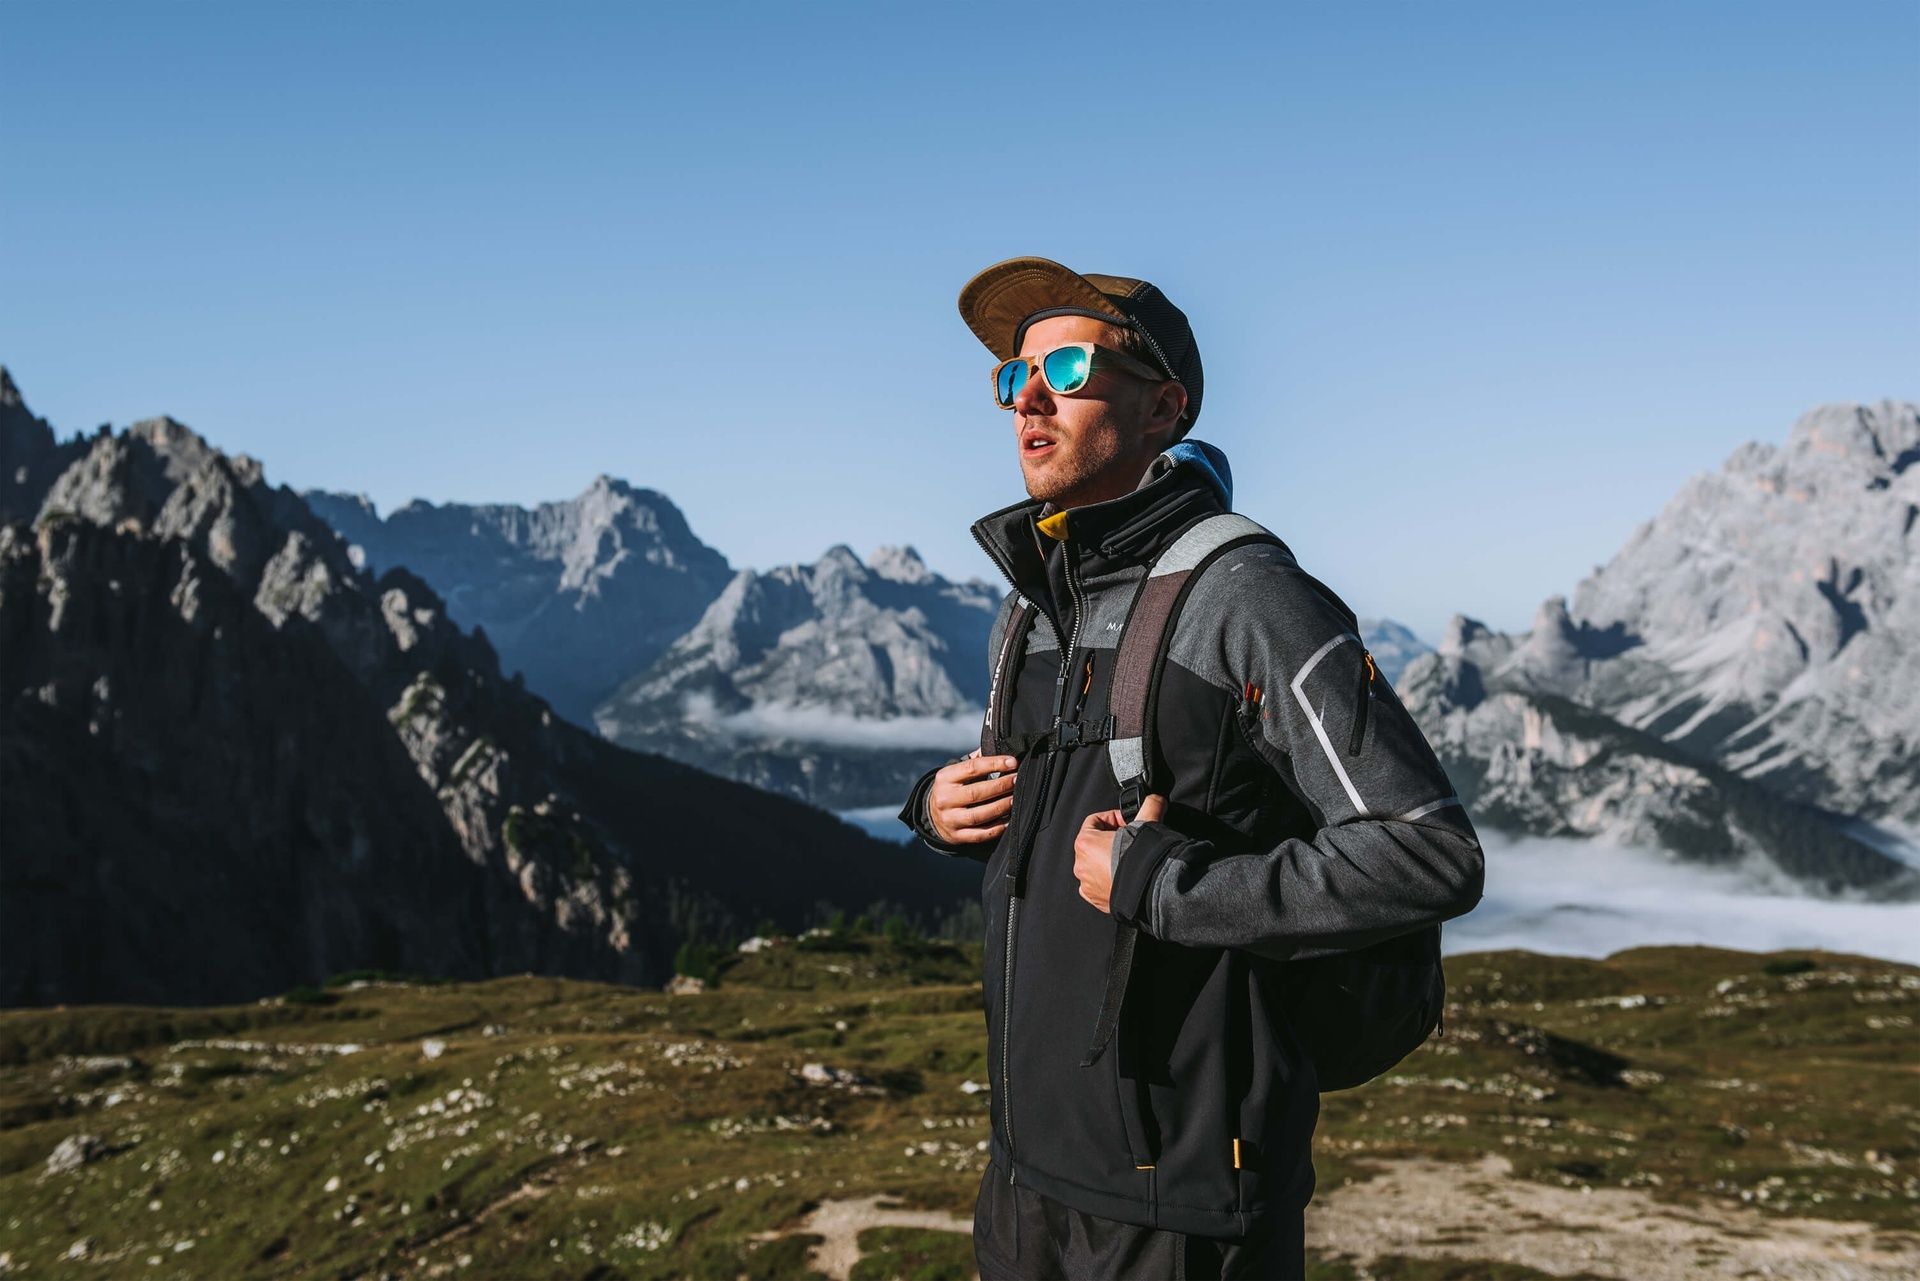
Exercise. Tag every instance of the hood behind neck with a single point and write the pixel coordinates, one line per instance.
(1211, 462)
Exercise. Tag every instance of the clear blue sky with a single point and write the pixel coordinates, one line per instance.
(1478, 285)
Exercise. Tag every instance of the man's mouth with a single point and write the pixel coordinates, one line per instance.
(1034, 444)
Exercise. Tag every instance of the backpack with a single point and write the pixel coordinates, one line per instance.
(1355, 1014)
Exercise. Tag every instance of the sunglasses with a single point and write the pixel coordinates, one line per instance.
(1065, 369)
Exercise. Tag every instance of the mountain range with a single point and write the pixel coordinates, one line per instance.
(1740, 684)
(236, 761)
(838, 682)
(251, 737)
(1737, 686)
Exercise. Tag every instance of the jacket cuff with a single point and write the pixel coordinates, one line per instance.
(914, 815)
(1140, 849)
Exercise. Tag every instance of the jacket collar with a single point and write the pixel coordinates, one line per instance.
(1189, 480)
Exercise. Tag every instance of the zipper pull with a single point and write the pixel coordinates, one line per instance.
(1363, 700)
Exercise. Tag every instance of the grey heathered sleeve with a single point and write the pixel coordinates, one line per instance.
(1394, 850)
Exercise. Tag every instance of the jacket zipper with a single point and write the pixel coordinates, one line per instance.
(1016, 857)
(1365, 701)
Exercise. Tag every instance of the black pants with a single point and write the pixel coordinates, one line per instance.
(1019, 1235)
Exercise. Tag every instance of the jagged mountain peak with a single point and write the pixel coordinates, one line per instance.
(1461, 632)
(1882, 438)
(609, 495)
(578, 593)
(899, 564)
(30, 458)
(841, 559)
(359, 502)
(607, 483)
(799, 656)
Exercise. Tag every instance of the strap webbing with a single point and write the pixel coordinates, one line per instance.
(1119, 966)
(1061, 738)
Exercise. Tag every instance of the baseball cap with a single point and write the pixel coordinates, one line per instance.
(999, 303)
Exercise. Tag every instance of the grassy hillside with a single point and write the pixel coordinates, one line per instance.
(533, 1126)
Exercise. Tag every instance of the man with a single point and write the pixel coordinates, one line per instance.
(1306, 816)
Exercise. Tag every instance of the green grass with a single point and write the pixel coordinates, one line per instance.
(913, 1254)
(584, 1129)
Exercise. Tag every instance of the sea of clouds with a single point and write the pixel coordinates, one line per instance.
(1586, 898)
(1572, 897)
(821, 724)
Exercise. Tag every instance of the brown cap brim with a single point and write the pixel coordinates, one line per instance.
(995, 302)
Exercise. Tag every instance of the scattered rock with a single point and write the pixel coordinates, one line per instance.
(836, 1078)
(75, 1151)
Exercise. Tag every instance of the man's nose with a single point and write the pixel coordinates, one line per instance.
(1033, 396)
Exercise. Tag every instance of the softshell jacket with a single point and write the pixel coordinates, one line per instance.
(1280, 842)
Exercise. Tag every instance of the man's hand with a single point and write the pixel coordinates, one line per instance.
(965, 806)
(1093, 848)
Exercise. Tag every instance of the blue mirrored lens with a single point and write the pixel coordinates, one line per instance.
(1067, 369)
(1013, 376)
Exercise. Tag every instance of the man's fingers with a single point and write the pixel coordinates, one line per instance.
(981, 812)
(976, 766)
(963, 816)
(973, 835)
(984, 790)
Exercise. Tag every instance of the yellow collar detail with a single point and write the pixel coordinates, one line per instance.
(1054, 526)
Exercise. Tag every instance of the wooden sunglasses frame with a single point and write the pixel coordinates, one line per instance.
(1109, 355)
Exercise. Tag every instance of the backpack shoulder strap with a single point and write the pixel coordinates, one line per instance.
(1141, 655)
(1146, 634)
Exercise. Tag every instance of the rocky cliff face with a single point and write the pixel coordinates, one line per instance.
(1741, 680)
(236, 761)
(575, 595)
(30, 458)
(837, 681)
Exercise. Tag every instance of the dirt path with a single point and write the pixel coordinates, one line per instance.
(1433, 1209)
(1436, 1210)
(842, 1222)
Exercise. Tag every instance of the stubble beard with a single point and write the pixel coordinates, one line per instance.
(1069, 476)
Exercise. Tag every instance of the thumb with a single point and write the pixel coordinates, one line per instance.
(1152, 808)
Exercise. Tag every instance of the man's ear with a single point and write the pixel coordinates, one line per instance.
(1164, 412)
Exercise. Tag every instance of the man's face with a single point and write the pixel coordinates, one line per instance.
(1092, 445)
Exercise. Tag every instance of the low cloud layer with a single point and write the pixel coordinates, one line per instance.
(956, 733)
(1578, 898)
